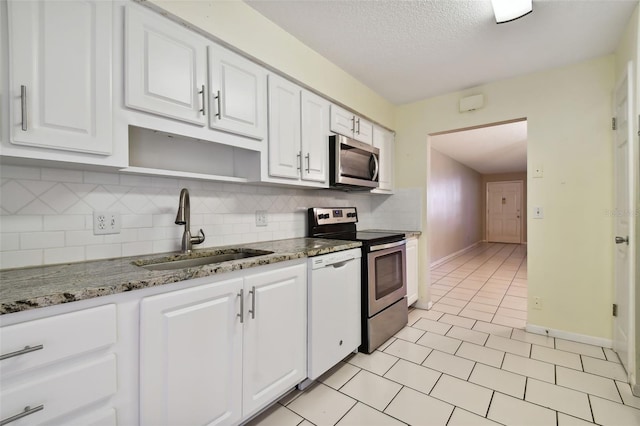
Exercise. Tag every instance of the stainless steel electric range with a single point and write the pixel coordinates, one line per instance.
(384, 277)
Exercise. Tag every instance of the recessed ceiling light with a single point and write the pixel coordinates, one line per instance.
(510, 10)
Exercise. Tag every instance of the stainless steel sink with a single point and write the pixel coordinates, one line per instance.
(199, 259)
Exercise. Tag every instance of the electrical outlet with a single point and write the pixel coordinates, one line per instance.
(106, 223)
(537, 303)
(538, 172)
(261, 218)
(538, 213)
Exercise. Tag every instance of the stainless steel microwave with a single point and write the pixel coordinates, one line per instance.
(353, 165)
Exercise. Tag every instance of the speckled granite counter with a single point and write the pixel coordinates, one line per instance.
(30, 288)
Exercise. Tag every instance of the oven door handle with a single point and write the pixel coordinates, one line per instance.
(386, 246)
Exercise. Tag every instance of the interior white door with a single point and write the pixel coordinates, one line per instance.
(315, 137)
(624, 223)
(60, 74)
(284, 128)
(504, 204)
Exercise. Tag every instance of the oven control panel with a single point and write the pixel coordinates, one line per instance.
(328, 216)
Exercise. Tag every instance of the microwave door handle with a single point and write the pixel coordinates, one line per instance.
(377, 167)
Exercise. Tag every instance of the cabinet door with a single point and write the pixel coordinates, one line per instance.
(284, 128)
(238, 94)
(60, 74)
(383, 140)
(191, 356)
(315, 137)
(363, 130)
(412, 270)
(275, 337)
(342, 121)
(165, 67)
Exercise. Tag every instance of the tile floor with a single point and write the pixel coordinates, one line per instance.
(468, 361)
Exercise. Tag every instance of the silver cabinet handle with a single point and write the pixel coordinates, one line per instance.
(27, 411)
(353, 124)
(621, 240)
(299, 160)
(202, 94)
(219, 110)
(308, 158)
(26, 350)
(241, 314)
(23, 106)
(358, 126)
(252, 311)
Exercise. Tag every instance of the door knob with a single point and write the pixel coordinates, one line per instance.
(620, 240)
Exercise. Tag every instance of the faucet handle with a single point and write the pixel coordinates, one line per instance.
(198, 239)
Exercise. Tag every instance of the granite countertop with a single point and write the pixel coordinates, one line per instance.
(30, 288)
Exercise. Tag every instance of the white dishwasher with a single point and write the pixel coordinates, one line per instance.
(334, 309)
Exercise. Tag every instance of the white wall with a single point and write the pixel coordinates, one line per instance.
(569, 115)
(455, 206)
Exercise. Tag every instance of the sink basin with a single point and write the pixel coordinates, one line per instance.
(199, 259)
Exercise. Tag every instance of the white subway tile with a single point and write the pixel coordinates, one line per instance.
(82, 238)
(151, 234)
(14, 196)
(165, 246)
(41, 240)
(20, 223)
(63, 222)
(20, 258)
(125, 236)
(101, 178)
(104, 251)
(9, 242)
(134, 180)
(137, 248)
(136, 221)
(62, 175)
(59, 198)
(19, 172)
(63, 255)
(164, 220)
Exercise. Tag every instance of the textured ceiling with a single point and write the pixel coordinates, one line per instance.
(487, 150)
(407, 50)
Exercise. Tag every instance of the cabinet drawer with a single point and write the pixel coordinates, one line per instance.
(61, 336)
(60, 392)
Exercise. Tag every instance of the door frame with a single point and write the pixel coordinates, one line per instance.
(486, 211)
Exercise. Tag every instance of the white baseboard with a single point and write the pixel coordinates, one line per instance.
(452, 255)
(574, 337)
(422, 305)
(635, 389)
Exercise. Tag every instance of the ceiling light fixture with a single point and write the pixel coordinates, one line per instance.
(510, 10)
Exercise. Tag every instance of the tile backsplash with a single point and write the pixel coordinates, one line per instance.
(46, 214)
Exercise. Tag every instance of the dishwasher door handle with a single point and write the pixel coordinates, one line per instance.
(340, 264)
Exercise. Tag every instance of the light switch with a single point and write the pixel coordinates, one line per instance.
(538, 213)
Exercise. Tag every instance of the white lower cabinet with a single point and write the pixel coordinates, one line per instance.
(220, 352)
(412, 270)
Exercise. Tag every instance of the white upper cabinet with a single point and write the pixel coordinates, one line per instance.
(237, 94)
(348, 124)
(298, 133)
(384, 141)
(60, 74)
(284, 128)
(315, 137)
(165, 67)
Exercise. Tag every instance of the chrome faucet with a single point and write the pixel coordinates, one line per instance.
(184, 218)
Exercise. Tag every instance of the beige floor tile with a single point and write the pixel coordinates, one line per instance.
(588, 383)
(371, 389)
(511, 411)
(611, 355)
(467, 335)
(449, 364)
(609, 413)
(456, 320)
(500, 380)
(361, 414)
(555, 356)
(511, 313)
(559, 398)
(477, 315)
(386, 344)
(537, 339)
(447, 309)
(461, 417)
(339, 375)
(289, 397)
(377, 362)
(509, 345)
(416, 408)
(438, 292)
(517, 292)
(509, 322)
(480, 354)
(463, 394)
(306, 423)
(276, 415)
(409, 351)
(322, 405)
(518, 303)
(529, 367)
(415, 376)
(416, 314)
(567, 420)
(498, 330)
(627, 397)
(442, 343)
(580, 348)
(493, 301)
(600, 367)
(432, 326)
(482, 307)
(453, 302)
(409, 334)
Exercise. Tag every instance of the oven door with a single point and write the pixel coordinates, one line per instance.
(387, 275)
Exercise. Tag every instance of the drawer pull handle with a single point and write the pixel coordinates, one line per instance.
(23, 106)
(202, 94)
(27, 411)
(253, 302)
(26, 350)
